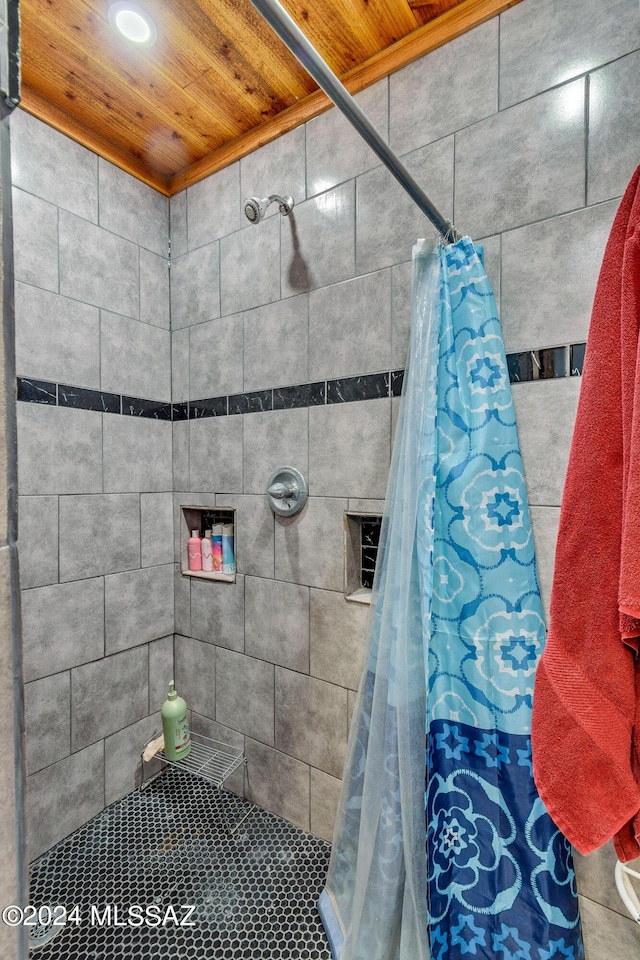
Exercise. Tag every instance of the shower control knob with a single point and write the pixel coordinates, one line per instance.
(286, 491)
(282, 490)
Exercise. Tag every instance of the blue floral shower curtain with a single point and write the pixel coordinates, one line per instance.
(449, 853)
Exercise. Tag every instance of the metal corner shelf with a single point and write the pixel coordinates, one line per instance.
(211, 760)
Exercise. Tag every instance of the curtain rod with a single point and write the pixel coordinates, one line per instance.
(289, 32)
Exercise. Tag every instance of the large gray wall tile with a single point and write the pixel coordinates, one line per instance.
(13, 883)
(607, 935)
(182, 601)
(138, 606)
(556, 311)
(215, 453)
(338, 638)
(254, 533)
(325, 794)
(98, 267)
(318, 241)
(122, 760)
(35, 241)
(543, 43)
(156, 529)
(250, 267)
(99, 534)
(277, 622)
(132, 209)
(135, 358)
(401, 290)
(59, 450)
(545, 413)
(178, 222)
(311, 720)
(63, 797)
(350, 327)
(62, 626)
(492, 259)
(52, 166)
(327, 166)
(278, 783)
(180, 365)
(244, 694)
(276, 344)
(47, 708)
(349, 449)
(137, 454)
(154, 290)
(195, 286)
(544, 521)
(217, 612)
(213, 207)
(195, 664)
(614, 127)
(542, 173)
(161, 670)
(298, 557)
(38, 541)
(180, 434)
(389, 222)
(276, 168)
(463, 74)
(594, 875)
(271, 439)
(56, 338)
(215, 352)
(96, 687)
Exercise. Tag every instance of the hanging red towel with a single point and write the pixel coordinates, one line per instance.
(586, 706)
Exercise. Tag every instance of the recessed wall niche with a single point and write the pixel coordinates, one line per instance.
(361, 538)
(224, 556)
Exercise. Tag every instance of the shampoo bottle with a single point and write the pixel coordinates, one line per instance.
(228, 555)
(207, 554)
(195, 551)
(175, 726)
(216, 540)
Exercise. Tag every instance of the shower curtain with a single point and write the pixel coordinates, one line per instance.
(448, 852)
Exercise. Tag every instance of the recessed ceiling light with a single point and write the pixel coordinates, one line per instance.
(133, 23)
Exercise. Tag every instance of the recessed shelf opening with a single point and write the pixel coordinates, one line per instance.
(362, 536)
(223, 551)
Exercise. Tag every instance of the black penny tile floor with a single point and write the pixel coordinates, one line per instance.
(128, 877)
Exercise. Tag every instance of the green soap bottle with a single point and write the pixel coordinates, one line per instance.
(175, 726)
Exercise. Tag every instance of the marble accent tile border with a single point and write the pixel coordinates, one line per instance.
(542, 364)
(80, 398)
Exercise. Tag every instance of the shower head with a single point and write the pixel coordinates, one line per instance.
(255, 209)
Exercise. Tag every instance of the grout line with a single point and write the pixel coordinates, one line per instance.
(587, 105)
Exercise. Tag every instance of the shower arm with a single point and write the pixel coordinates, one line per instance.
(289, 32)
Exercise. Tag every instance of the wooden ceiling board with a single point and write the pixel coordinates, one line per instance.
(144, 133)
(427, 10)
(33, 103)
(219, 82)
(61, 68)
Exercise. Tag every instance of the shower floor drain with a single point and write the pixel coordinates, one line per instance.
(45, 930)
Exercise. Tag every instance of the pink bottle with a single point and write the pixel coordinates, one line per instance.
(195, 551)
(207, 553)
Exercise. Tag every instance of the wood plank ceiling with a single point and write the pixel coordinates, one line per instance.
(218, 82)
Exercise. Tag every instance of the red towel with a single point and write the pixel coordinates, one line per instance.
(586, 706)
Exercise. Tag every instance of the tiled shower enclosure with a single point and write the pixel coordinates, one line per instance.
(146, 388)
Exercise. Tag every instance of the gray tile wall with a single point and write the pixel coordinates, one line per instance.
(526, 130)
(96, 490)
